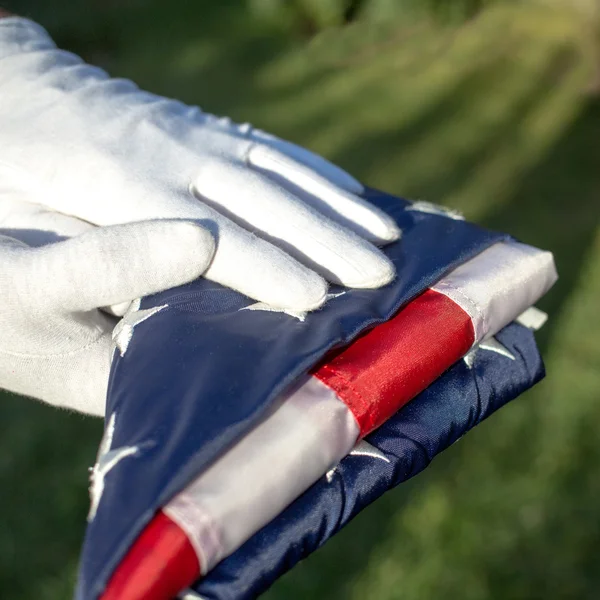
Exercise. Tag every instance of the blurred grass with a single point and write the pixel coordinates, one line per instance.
(490, 117)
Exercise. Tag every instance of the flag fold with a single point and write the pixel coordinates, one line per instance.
(222, 413)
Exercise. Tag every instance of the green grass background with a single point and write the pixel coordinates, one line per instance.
(491, 115)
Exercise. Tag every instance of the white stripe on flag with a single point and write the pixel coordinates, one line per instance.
(257, 478)
(496, 286)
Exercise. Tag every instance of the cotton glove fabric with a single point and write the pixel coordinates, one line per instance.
(78, 142)
(55, 345)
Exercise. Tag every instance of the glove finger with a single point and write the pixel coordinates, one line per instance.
(110, 265)
(264, 272)
(349, 210)
(37, 226)
(259, 204)
(242, 261)
(325, 168)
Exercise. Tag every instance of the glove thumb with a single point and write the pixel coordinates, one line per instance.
(111, 265)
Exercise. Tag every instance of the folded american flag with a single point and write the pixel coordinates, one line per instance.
(212, 418)
(401, 448)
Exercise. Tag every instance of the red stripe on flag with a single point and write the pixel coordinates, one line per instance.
(374, 376)
(160, 564)
(388, 366)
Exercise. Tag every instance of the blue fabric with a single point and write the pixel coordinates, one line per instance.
(434, 420)
(198, 374)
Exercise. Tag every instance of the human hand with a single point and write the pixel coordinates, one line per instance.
(82, 144)
(55, 345)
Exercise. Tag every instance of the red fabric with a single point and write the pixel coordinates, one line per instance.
(160, 564)
(375, 376)
(388, 366)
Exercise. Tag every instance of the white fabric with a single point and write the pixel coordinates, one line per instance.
(533, 318)
(307, 435)
(496, 286)
(54, 342)
(312, 429)
(191, 595)
(78, 142)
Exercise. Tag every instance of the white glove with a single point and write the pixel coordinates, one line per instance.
(82, 144)
(54, 343)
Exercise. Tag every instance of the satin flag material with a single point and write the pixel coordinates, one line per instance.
(175, 405)
(400, 449)
(351, 393)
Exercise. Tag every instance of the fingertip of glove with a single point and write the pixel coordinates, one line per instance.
(184, 249)
(388, 233)
(385, 274)
(318, 294)
(306, 293)
(376, 270)
(196, 243)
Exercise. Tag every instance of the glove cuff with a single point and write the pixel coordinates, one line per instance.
(19, 35)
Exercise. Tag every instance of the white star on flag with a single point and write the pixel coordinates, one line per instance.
(190, 595)
(301, 316)
(533, 318)
(361, 449)
(435, 209)
(107, 459)
(491, 345)
(123, 331)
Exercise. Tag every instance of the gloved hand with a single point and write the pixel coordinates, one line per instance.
(54, 343)
(82, 144)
